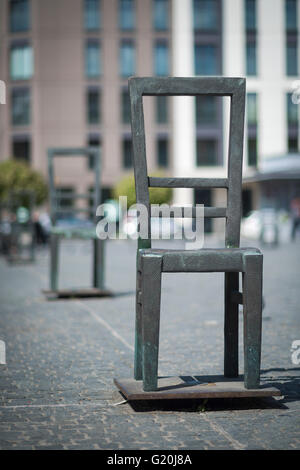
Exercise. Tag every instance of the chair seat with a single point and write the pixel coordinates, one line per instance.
(84, 233)
(203, 260)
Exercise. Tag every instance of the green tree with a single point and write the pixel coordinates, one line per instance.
(126, 187)
(18, 176)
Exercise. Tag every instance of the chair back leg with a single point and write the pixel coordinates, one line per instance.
(138, 354)
(150, 298)
(231, 327)
(252, 302)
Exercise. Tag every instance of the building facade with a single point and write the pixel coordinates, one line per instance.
(259, 40)
(66, 64)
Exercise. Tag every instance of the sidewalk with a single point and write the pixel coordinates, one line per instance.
(57, 392)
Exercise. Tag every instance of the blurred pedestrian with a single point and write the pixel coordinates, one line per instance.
(295, 209)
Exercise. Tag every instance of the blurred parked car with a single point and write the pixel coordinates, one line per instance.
(261, 225)
(161, 228)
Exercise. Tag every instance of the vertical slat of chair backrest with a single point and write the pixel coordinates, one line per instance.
(51, 186)
(235, 163)
(139, 154)
(97, 189)
(174, 86)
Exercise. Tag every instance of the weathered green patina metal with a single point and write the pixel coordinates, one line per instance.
(231, 259)
(60, 231)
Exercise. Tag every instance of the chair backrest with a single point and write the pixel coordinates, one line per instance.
(176, 86)
(55, 194)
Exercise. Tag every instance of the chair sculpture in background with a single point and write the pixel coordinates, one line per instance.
(22, 238)
(84, 229)
(231, 259)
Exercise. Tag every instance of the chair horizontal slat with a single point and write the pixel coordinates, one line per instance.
(202, 183)
(66, 210)
(72, 196)
(187, 86)
(178, 212)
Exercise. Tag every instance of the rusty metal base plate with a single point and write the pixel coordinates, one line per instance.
(188, 387)
(78, 293)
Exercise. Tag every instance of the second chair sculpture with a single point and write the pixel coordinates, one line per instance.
(231, 259)
(87, 231)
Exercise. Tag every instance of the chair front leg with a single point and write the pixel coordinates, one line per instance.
(98, 264)
(150, 298)
(54, 261)
(252, 300)
(138, 353)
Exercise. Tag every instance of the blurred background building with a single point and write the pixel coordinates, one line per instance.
(66, 64)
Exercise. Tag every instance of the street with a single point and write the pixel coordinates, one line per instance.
(57, 388)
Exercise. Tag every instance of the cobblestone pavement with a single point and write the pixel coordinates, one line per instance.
(57, 392)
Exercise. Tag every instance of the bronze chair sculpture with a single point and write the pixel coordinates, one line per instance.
(231, 259)
(60, 231)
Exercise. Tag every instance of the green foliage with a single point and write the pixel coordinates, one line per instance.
(126, 187)
(18, 176)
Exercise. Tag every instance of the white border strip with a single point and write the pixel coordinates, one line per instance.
(2, 353)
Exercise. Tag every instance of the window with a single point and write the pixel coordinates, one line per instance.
(252, 151)
(127, 58)
(251, 58)
(252, 128)
(292, 124)
(65, 199)
(162, 152)
(250, 15)
(161, 58)
(291, 15)
(246, 202)
(20, 106)
(160, 15)
(206, 62)
(126, 14)
(21, 148)
(92, 59)
(21, 61)
(127, 153)
(293, 144)
(292, 110)
(19, 16)
(292, 58)
(206, 110)
(161, 109)
(206, 15)
(250, 26)
(204, 196)
(251, 108)
(93, 141)
(93, 106)
(125, 107)
(206, 152)
(91, 15)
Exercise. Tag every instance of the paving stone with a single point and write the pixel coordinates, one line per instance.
(57, 392)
